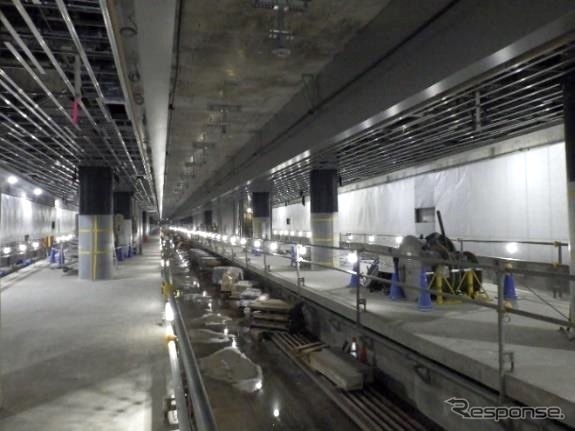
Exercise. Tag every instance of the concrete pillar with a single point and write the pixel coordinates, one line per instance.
(569, 125)
(208, 221)
(261, 215)
(95, 223)
(123, 220)
(145, 226)
(323, 190)
(219, 216)
(137, 227)
(235, 215)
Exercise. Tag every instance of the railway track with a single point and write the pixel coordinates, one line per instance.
(369, 408)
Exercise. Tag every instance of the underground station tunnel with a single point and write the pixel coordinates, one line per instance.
(287, 214)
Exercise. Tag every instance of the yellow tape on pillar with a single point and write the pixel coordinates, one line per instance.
(94, 246)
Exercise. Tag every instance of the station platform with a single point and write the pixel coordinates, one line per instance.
(461, 336)
(82, 355)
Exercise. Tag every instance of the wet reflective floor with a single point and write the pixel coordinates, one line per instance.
(288, 399)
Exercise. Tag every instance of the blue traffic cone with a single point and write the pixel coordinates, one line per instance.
(53, 252)
(509, 287)
(354, 280)
(395, 291)
(424, 298)
(119, 254)
(293, 256)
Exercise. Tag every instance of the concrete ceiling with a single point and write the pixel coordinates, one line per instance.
(225, 60)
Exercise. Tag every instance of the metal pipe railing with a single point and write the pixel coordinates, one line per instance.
(378, 239)
(500, 266)
(432, 261)
(184, 423)
(203, 416)
(499, 307)
(495, 264)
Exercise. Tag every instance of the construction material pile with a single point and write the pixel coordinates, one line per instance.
(232, 366)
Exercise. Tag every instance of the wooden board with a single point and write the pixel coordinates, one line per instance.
(340, 372)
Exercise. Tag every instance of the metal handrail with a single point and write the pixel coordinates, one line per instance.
(499, 307)
(202, 410)
(462, 298)
(556, 243)
(500, 267)
(363, 238)
(184, 423)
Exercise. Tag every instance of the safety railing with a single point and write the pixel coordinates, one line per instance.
(509, 248)
(200, 417)
(240, 251)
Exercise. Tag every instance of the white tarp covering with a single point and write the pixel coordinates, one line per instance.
(382, 209)
(21, 217)
(227, 217)
(521, 196)
(298, 214)
(65, 221)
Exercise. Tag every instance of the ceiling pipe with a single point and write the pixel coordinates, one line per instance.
(62, 110)
(118, 54)
(58, 67)
(27, 132)
(38, 112)
(100, 99)
(23, 161)
(21, 43)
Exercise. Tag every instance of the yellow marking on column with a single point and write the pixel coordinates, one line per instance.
(94, 246)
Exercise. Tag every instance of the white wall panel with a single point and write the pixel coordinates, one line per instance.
(385, 208)
(521, 196)
(227, 217)
(298, 215)
(65, 221)
(21, 217)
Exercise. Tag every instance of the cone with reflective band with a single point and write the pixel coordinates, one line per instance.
(509, 287)
(395, 291)
(424, 298)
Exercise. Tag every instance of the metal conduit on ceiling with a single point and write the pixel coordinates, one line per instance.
(511, 101)
(39, 43)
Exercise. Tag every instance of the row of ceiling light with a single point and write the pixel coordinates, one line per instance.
(231, 239)
(12, 180)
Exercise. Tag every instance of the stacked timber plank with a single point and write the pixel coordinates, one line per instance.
(270, 314)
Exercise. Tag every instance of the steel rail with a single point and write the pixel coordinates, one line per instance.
(202, 410)
(184, 423)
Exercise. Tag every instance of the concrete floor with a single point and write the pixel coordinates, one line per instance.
(80, 355)
(461, 336)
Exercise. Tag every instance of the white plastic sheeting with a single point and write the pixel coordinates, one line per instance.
(298, 214)
(65, 220)
(227, 217)
(521, 197)
(21, 217)
(387, 208)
